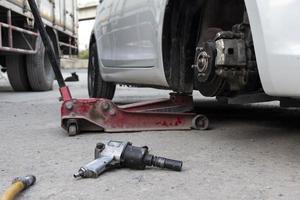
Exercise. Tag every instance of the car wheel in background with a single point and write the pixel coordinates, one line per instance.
(39, 70)
(98, 88)
(17, 73)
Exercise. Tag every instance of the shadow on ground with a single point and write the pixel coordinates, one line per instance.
(285, 121)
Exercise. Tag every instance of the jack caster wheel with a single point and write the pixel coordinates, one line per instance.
(73, 130)
(200, 122)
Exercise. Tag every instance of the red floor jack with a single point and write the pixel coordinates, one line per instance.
(86, 115)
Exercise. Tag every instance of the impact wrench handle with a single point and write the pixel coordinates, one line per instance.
(116, 154)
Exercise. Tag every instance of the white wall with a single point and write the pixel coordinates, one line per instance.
(85, 27)
(84, 33)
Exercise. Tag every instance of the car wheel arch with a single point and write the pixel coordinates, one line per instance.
(178, 53)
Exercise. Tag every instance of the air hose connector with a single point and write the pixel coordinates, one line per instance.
(18, 185)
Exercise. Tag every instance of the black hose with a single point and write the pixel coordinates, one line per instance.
(47, 43)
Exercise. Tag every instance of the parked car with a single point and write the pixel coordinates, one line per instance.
(222, 48)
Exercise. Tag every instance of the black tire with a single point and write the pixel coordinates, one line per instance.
(39, 70)
(98, 88)
(17, 73)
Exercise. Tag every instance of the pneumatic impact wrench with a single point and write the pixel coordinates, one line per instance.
(116, 154)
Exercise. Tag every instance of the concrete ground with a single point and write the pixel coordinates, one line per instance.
(251, 152)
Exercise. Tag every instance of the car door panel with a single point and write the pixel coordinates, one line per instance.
(103, 32)
(148, 30)
(124, 30)
(135, 44)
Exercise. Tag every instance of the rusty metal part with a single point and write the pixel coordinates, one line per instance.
(103, 115)
(11, 28)
(68, 45)
(235, 59)
(231, 52)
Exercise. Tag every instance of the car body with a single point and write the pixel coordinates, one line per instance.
(252, 45)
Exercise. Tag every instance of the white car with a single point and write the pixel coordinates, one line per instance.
(223, 48)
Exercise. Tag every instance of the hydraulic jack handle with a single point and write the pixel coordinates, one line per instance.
(64, 90)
